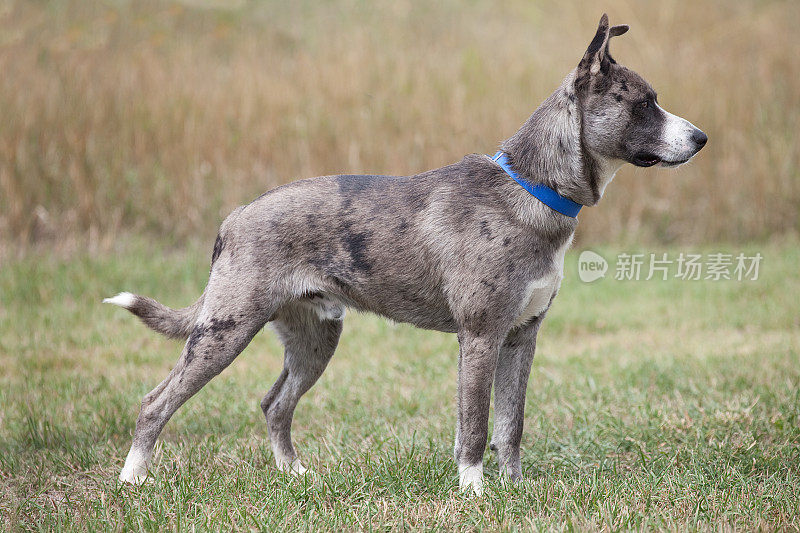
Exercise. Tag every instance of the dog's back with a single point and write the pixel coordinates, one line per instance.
(402, 247)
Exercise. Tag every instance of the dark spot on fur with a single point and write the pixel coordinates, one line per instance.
(402, 227)
(311, 222)
(582, 81)
(215, 328)
(218, 245)
(194, 338)
(288, 244)
(617, 97)
(352, 187)
(321, 260)
(506, 241)
(354, 184)
(356, 244)
(485, 231)
(491, 285)
(623, 86)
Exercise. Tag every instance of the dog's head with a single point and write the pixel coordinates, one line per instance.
(620, 113)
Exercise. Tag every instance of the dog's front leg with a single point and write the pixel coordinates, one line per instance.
(510, 384)
(476, 365)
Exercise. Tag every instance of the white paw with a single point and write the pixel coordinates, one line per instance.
(295, 468)
(471, 477)
(135, 469)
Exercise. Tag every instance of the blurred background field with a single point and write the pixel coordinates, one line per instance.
(159, 117)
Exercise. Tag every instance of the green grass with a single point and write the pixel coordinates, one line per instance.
(651, 405)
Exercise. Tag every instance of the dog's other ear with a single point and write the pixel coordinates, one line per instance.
(597, 59)
(616, 31)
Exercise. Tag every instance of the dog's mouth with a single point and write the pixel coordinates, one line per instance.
(673, 163)
(645, 159)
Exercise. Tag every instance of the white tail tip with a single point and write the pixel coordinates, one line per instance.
(123, 299)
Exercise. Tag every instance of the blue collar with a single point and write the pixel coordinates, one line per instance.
(542, 192)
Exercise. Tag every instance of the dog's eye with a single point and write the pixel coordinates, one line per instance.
(644, 105)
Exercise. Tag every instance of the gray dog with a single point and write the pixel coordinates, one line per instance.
(474, 248)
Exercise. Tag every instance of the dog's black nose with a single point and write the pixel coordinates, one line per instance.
(699, 138)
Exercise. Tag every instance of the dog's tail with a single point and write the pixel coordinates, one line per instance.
(175, 323)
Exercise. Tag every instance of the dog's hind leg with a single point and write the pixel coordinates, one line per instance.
(230, 317)
(309, 343)
(510, 384)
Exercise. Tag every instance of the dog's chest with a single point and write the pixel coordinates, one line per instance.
(539, 291)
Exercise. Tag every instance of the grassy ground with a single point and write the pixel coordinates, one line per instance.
(651, 404)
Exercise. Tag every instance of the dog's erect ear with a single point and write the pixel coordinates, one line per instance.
(595, 56)
(597, 59)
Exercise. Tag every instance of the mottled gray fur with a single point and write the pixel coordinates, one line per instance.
(460, 249)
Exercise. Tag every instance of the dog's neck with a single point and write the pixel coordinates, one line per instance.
(549, 149)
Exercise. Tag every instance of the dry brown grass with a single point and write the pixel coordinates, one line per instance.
(162, 116)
